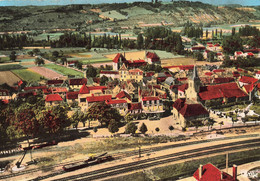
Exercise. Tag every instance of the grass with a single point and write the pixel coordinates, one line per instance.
(232, 108)
(4, 59)
(10, 67)
(64, 70)
(27, 75)
(101, 60)
(256, 107)
(186, 169)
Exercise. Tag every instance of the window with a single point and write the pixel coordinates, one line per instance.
(82, 99)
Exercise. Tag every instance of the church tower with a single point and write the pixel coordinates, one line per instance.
(193, 86)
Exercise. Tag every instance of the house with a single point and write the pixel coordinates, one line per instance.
(55, 82)
(152, 58)
(221, 80)
(257, 75)
(77, 83)
(135, 108)
(5, 95)
(134, 74)
(109, 73)
(119, 104)
(124, 95)
(185, 114)
(198, 49)
(181, 90)
(118, 61)
(209, 172)
(245, 80)
(227, 92)
(72, 97)
(152, 106)
(86, 102)
(53, 100)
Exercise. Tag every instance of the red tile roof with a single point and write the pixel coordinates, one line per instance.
(151, 55)
(150, 98)
(149, 74)
(248, 80)
(235, 74)
(5, 101)
(221, 90)
(134, 106)
(135, 71)
(84, 89)
(78, 81)
(136, 63)
(212, 173)
(250, 54)
(208, 73)
(258, 72)
(54, 82)
(221, 80)
(58, 89)
(239, 53)
(249, 87)
(108, 72)
(192, 110)
(53, 97)
(217, 45)
(123, 94)
(218, 70)
(99, 98)
(72, 95)
(183, 87)
(256, 50)
(26, 94)
(35, 88)
(117, 57)
(198, 48)
(178, 104)
(4, 91)
(182, 79)
(118, 101)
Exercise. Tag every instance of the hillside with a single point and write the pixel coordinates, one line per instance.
(82, 16)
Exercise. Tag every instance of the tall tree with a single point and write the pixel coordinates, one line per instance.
(13, 56)
(130, 128)
(140, 41)
(143, 129)
(113, 126)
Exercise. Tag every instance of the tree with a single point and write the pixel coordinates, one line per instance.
(211, 56)
(171, 128)
(130, 128)
(113, 126)
(30, 53)
(207, 33)
(77, 117)
(13, 56)
(143, 129)
(157, 129)
(199, 56)
(95, 129)
(232, 44)
(129, 117)
(91, 71)
(64, 60)
(220, 124)
(79, 65)
(36, 51)
(140, 41)
(233, 31)
(103, 80)
(39, 61)
(103, 113)
(55, 54)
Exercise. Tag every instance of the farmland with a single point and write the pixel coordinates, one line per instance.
(8, 67)
(49, 74)
(64, 70)
(9, 78)
(27, 75)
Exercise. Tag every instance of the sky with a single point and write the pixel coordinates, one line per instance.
(65, 2)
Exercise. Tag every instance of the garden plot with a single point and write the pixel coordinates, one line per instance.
(28, 75)
(9, 78)
(49, 74)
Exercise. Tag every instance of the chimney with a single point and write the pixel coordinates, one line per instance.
(200, 171)
(234, 172)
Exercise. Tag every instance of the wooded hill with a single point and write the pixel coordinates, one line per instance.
(86, 17)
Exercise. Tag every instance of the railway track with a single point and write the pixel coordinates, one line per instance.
(146, 163)
(120, 155)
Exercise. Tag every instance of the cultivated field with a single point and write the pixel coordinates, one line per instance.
(64, 70)
(178, 61)
(9, 78)
(27, 75)
(43, 71)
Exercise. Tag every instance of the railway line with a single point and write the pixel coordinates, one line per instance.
(146, 163)
(130, 153)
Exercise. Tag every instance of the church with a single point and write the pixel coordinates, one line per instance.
(188, 112)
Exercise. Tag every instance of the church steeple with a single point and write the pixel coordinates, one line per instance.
(193, 86)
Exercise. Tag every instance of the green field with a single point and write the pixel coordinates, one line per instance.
(91, 61)
(27, 75)
(64, 70)
(10, 67)
(4, 59)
